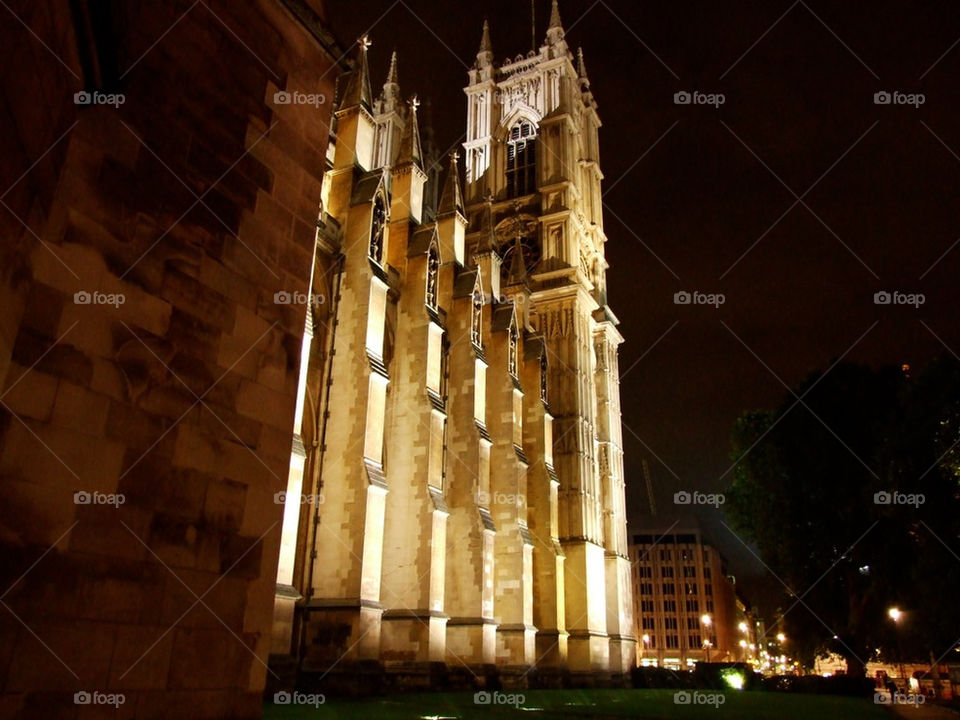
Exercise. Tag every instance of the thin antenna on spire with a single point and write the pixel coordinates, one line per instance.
(533, 25)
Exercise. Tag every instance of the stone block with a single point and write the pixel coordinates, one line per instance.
(30, 393)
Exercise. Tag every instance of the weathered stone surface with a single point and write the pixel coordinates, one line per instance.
(177, 216)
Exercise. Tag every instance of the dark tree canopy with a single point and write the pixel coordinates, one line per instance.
(810, 491)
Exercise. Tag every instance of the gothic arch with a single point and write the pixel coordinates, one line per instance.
(520, 111)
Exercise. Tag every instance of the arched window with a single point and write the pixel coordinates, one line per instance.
(433, 268)
(513, 359)
(377, 225)
(521, 159)
(476, 318)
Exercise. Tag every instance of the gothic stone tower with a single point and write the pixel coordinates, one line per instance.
(532, 151)
(461, 429)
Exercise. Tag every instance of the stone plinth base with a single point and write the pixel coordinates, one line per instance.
(516, 645)
(471, 642)
(551, 648)
(339, 630)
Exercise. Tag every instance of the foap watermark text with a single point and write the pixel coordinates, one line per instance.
(695, 697)
(896, 97)
(695, 97)
(682, 297)
(298, 698)
(82, 497)
(883, 497)
(295, 97)
(496, 697)
(683, 497)
(883, 297)
(98, 298)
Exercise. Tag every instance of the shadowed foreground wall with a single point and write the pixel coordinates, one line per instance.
(196, 200)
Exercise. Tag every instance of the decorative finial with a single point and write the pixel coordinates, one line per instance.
(358, 90)
(410, 148)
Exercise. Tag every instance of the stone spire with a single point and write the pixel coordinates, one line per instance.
(488, 241)
(390, 97)
(451, 200)
(358, 91)
(486, 255)
(410, 150)
(518, 267)
(392, 72)
(485, 53)
(555, 29)
(431, 160)
(582, 70)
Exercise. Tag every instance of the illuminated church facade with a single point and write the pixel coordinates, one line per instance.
(455, 505)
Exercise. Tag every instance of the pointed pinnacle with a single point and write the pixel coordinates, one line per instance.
(518, 266)
(358, 90)
(555, 30)
(392, 72)
(555, 16)
(410, 150)
(582, 68)
(451, 200)
(487, 242)
(485, 45)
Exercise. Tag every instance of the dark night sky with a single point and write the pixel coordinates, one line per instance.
(801, 98)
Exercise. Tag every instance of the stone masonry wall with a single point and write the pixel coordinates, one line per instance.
(142, 441)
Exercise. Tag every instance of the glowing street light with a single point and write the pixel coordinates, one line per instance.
(743, 627)
(781, 638)
(895, 614)
(706, 620)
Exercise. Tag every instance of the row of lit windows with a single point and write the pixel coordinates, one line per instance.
(672, 642)
(666, 555)
(691, 605)
(670, 623)
(689, 571)
(669, 588)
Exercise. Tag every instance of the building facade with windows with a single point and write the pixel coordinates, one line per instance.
(455, 505)
(686, 607)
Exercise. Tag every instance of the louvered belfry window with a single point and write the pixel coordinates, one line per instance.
(522, 159)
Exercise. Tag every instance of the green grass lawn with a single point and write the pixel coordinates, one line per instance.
(563, 704)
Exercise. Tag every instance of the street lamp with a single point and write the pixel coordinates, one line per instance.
(706, 646)
(895, 614)
(743, 627)
(781, 638)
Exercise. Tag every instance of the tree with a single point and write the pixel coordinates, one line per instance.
(805, 494)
